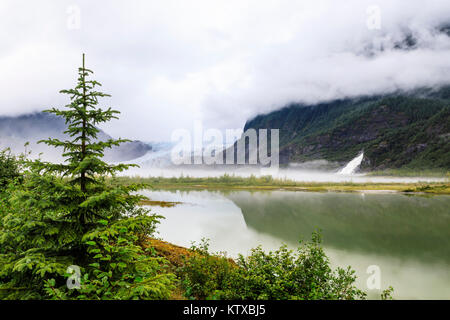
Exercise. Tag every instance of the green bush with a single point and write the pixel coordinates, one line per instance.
(116, 265)
(37, 247)
(9, 168)
(303, 274)
(204, 275)
(286, 274)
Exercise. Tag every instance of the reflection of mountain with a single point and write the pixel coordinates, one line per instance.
(404, 226)
(15, 131)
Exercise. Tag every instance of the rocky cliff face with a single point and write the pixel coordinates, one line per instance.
(15, 131)
(403, 130)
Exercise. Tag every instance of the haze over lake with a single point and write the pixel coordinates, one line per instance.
(300, 175)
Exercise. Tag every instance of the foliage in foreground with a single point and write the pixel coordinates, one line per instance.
(9, 168)
(66, 215)
(119, 268)
(304, 274)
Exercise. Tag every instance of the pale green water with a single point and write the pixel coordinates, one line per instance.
(408, 237)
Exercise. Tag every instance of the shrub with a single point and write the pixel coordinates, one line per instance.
(204, 275)
(282, 274)
(286, 274)
(117, 267)
(9, 168)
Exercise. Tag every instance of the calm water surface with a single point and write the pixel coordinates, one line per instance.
(408, 237)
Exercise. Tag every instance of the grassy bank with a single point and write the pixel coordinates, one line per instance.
(227, 182)
(405, 172)
(162, 204)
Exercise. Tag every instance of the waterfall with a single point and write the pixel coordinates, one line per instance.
(352, 165)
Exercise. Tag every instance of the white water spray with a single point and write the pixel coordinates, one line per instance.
(352, 165)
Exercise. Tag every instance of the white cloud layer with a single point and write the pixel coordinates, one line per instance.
(168, 63)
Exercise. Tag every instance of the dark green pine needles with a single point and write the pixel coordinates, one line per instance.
(72, 213)
(84, 165)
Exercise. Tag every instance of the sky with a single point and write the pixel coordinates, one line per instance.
(168, 64)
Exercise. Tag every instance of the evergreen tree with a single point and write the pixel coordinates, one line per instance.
(9, 168)
(84, 165)
(71, 214)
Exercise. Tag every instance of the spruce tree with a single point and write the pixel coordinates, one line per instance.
(71, 214)
(84, 165)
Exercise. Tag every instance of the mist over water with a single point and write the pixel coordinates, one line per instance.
(295, 174)
(158, 163)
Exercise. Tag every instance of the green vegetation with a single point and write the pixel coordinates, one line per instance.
(9, 168)
(66, 214)
(162, 204)
(283, 274)
(405, 172)
(408, 131)
(74, 230)
(227, 182)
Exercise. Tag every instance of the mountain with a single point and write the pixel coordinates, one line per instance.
(403, 130)
(15, 131)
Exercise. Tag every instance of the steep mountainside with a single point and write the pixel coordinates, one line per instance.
(15, 131)
(402, 130)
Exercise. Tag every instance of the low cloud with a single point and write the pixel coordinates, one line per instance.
(169, 63)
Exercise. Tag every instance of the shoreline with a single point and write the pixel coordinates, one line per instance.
(298, 189)
(269, 184)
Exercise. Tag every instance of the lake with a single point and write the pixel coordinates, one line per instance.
(406, 236)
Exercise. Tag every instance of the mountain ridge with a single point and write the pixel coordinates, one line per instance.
(400, 130)
(32, 127)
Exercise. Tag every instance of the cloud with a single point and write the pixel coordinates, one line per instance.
(169, 63)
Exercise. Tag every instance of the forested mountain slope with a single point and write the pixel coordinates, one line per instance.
(409, 130)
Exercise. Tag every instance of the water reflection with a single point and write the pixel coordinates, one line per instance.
(389, 224)
(406, 236)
